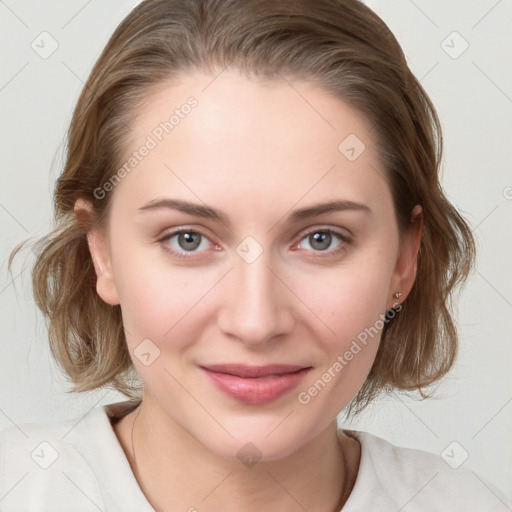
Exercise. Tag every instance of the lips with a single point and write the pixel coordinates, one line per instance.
(247, 371)
(255, 385)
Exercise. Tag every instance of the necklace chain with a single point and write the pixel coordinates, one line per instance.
(133, 449)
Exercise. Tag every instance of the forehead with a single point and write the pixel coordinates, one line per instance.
(229, 138)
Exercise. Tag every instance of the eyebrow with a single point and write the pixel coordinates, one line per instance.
(208, 212)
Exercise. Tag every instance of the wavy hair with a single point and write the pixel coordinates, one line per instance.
(340, 45)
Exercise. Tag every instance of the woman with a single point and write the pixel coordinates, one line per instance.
(251, 238)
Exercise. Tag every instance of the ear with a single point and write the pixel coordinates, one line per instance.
(404, 273)
(100, 253)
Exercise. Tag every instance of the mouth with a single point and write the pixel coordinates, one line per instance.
(255, 385)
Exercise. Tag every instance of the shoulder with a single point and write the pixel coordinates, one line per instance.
(42, 469)
(412, 479)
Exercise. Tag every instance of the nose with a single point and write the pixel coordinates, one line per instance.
(257, 305)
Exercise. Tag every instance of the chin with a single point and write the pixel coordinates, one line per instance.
(254, 439)
(250, 450)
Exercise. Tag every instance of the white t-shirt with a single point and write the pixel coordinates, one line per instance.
(79, 466)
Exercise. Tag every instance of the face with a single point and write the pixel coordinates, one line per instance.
(219, 254)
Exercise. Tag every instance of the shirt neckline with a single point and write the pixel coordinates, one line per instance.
(105, 455)
(108, 458)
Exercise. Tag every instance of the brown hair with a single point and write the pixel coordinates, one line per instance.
(340, 45)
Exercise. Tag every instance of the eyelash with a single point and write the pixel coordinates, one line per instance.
(345, 240)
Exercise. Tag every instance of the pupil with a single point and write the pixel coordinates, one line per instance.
(321, 237)
(188, 239)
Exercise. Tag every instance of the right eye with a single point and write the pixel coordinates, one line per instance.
(182, 241)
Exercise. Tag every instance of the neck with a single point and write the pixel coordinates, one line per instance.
(176, 472)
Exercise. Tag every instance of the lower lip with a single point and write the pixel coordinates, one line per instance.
(256, 391)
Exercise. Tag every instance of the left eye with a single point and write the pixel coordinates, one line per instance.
(321, 239)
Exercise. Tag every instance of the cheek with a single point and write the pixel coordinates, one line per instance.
(160, 321)
(353, 299)
(155, 297)
(352, 309)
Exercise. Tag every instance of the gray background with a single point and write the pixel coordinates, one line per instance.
(472, 91)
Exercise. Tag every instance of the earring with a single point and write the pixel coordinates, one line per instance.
(397, 295)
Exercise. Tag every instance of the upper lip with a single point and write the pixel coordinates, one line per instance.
(247, 371)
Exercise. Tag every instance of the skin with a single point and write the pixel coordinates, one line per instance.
(256, 151)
